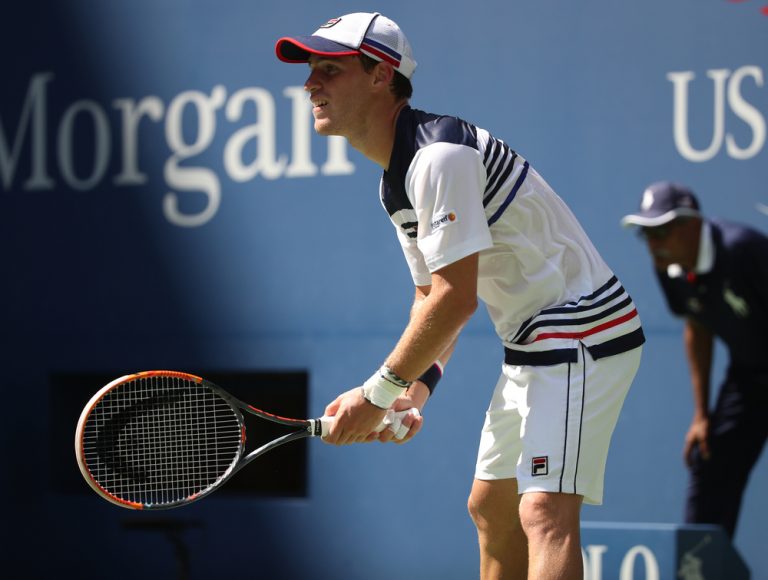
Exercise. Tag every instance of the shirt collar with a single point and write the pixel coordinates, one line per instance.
(706, 260)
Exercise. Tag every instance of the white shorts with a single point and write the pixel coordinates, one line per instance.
(550, 426)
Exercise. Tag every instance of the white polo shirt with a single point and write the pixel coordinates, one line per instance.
(452, 189)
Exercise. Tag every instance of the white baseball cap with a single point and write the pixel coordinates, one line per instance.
(367, 33)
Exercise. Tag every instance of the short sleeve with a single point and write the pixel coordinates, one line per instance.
(445, 185)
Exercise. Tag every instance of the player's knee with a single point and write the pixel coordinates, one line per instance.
(546, 517)
(488, 516)
(480, 511)
(476, 512)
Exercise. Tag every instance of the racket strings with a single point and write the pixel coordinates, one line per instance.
(161, 440)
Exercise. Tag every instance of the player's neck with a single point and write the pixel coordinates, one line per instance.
(376, 144)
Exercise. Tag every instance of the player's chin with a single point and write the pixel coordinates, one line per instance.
(325, 128)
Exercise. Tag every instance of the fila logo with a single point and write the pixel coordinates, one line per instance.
(540, 465)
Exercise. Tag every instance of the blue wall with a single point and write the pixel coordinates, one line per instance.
(165, 204)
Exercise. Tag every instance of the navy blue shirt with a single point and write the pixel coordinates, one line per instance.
(732, 299)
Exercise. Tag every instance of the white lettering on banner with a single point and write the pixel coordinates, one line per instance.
(628, 564)
(727, 88)
(593, 563)
(34, 112)
(151, 107)
(191, 178)
(87, 118)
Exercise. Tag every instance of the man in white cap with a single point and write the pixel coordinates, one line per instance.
(474, 219)
(715, 275)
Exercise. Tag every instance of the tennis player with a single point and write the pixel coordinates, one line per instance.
(474, 219)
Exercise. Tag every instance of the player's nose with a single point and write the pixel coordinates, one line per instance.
(311, 84)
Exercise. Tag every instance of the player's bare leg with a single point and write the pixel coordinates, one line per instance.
(551, 524)
(494, 507)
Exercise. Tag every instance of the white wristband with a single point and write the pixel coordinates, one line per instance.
(381, 392)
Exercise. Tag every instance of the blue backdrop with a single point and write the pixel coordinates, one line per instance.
(165, 204)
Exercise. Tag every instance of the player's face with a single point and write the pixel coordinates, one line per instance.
(676, 242)
(337, 88)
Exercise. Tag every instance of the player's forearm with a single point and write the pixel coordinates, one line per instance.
(446, 355)
(699, 342)
(435, 323)
(432, 332)
(419, 393)
(421, 294)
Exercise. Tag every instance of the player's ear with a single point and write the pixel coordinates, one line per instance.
(383, 73)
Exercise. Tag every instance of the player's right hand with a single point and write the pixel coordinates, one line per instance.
(355, 419)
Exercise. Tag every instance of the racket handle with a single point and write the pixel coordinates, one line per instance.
(393, 420)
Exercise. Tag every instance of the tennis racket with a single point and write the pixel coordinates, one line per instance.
(163, 439)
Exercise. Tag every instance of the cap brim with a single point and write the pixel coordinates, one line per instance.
(652, 221)
(298, 49)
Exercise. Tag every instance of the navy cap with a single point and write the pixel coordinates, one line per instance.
(662, 202)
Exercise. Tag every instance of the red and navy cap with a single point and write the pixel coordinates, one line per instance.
(367, 33)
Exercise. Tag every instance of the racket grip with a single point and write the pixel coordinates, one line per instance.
(393, 420)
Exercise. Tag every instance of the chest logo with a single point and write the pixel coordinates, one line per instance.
(737, 303)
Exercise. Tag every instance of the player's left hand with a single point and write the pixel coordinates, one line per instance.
(411, 422)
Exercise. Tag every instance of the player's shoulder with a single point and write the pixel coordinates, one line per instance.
(429, 140)
(429, 128)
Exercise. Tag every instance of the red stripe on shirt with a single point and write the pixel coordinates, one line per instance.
(594, 330)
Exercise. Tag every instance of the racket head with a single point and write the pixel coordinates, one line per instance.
(158, 439)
